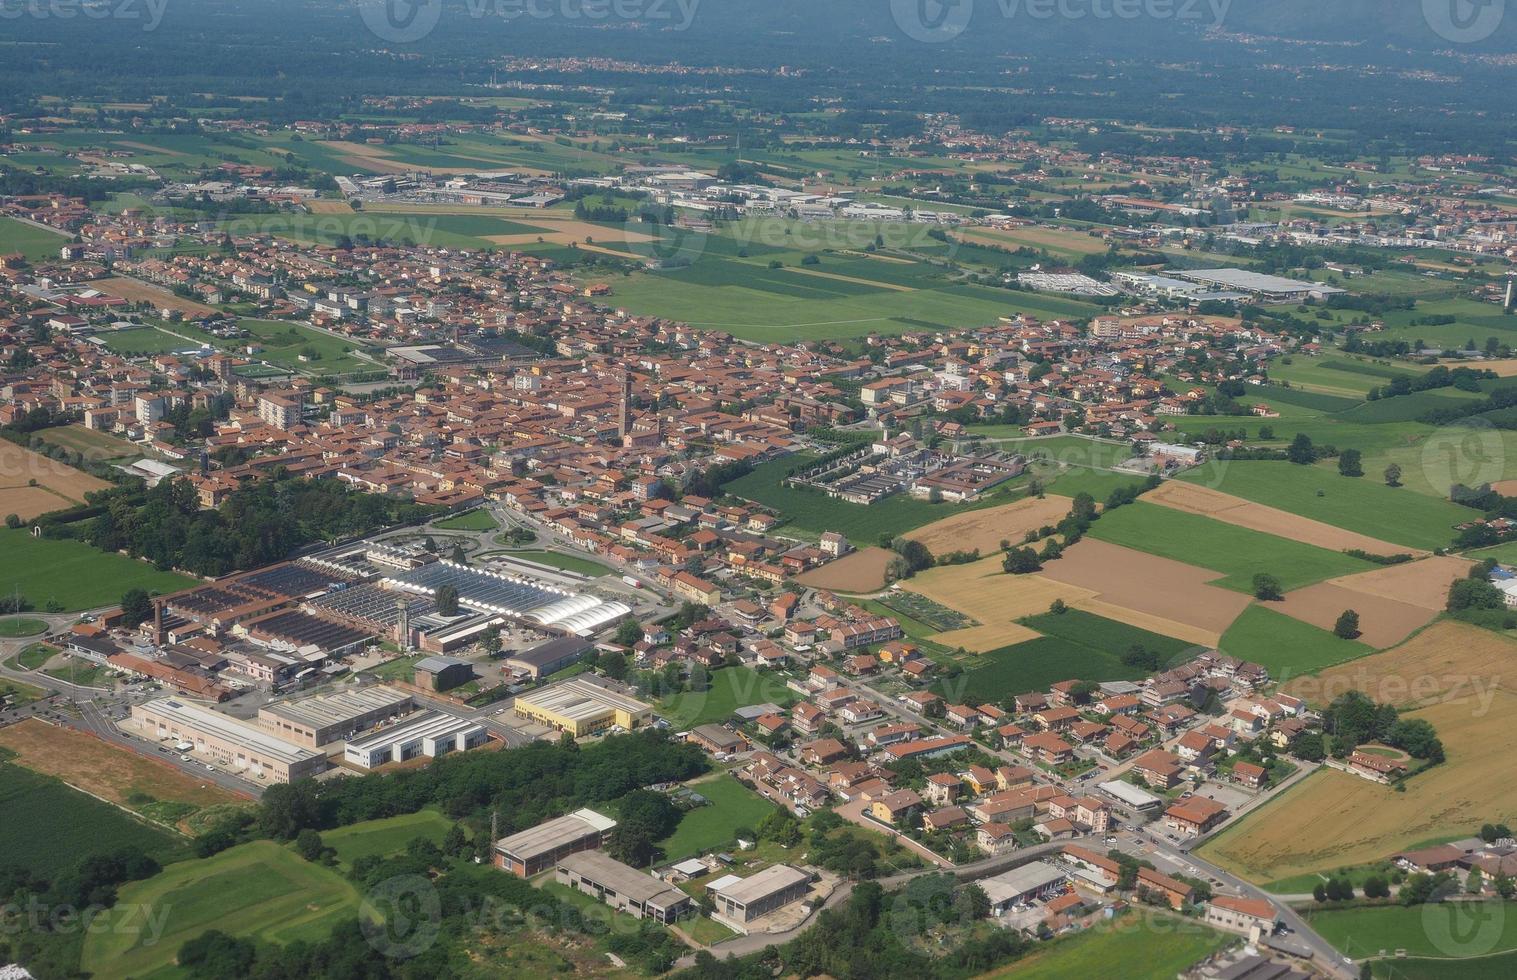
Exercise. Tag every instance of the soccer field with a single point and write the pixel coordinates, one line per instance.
(74, 574)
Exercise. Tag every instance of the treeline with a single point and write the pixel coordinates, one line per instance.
(1463, 378)
(49, 944)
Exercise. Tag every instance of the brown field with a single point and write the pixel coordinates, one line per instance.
(57, 487)
(104, 770)
(1422, 583)
(1225, 507)
(1447, 661)
(1157, 589)
(862, 571)
(142, 292)
(1071, 241)
(986, 529)
(1382, 622)
(1503, 369)
(329, 207)
(1507, 488)
(992, 598)
(1335, 819)
(375, 158)
(149, 148)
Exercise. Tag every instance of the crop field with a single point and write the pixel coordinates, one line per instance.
(1088, 629)
(1288, 647)
(1448, 929)
(73, 573)
(986, 529)
(32, 484)
(260, 890)
(862, 571)
(1498, 966)
(1333, 819)
(1058, 242)
(109, 772)
(1360, 504)
(35, 243)
(138, 291)
(986, 594)
(47, 826)
(733, 805)
(386, 837)
(90, 443)
(1444, 660)
(1236, 552)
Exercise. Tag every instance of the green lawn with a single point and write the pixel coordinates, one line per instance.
(1091, 630)
(1362, 504)
(18, 626)
(1238, 553)
(1449, 929)
(1287, 646)
(1140, 945)
(474, 520)
(1033, 665)
(557, 559)
(73, 573)
(398, 669)
(37, 244)
(731, 688)
(284, 344)
(1501, 966)
(19, 693)
(386, 837)
(78, 671)
(259, 890)
(47, 826)
(732, 805)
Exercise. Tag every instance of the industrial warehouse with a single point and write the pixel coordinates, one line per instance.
(514, 598)
(322, 718)
(623, 887)
(426, 733)
(539, 848)
(243, 748)
(580, 706)
(740, 901)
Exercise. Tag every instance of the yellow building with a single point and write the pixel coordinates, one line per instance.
(580, 706)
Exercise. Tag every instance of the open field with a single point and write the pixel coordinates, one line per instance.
(47, 826)
(259, 890)
(1382, 622)
(138, 291)
(90, 443)
(1142, 944)
(730, 688)
(986, 594)
(1498, 966)
(1446, 659)
(986, 529)
(73, 573)
(57, 485)
(733, 805)
(1153, 593)
(862, 571)
(557, 559)
(1361, 504)
(1235, 510)
(1288, 647)
(386, 837)
(37, 244)
(1422, 583)
(18, 626)
(474, 520)
(1057, 242)
(1448, 929)
(1238, 553)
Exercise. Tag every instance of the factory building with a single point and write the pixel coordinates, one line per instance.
(236, 745)
(426, 733)
(739, 901)
(315, 721)
(580, 706)
(622, 887)
(539, 848)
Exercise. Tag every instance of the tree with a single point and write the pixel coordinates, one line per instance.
(1058, 607)
(446, 598)
(1308, 746)
(288, 808)
(457, 555)
(308, 844)
(136, 608)
(914, 554)
(629, 633)
(489, 641)
(1350, 463)
(1393, 475)
(1319, 892)
(614, 665)
(1376, 887)
(216, 954)
(1347, 626)
(1301, 450)
(1021, 561)
(1267, 588)
(1139, 656)
(13, 521)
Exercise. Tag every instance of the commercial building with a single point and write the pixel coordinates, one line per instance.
(237, 745)
(514, 598)
(442, 673)
(580, 706)
(622, 887)
(323, 718)
(1025, 884)
(1272, 288)
(550, 657)
(739, 901)
(534, 851)
(428, 733)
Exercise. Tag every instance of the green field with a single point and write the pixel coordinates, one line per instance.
(73, 573)
(146, 340)
(46, 826)
(1287, 646)
(474, 520)
(37, 244)
(1238, 553)
(1100, 633)
(76, 670)
(1033, 665)
(17, 626)
(1448, 929)
(732, 805)
(284, 344)
(259, 890)
(557, 559)
(387, 837)
(1362, 504)
(731, 688)
(1139, 945)
(1500, 966)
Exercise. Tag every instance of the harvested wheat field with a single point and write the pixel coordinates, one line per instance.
(982, 591)
(1334, 819)
(141, 292)
(1447, 661)
(1382, 622)
(986, 529)
(329, 207)
(58, 486)
(862, 571)
(1224, 507)
(1422, 583)
(1507, 488)
(1169, 597)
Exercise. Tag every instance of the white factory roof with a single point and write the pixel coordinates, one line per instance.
(229, 729)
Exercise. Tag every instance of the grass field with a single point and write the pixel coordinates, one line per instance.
(1360, 504)
(90, 443)
(37, 244)
(1236, 552)
(73, 573)
(383, 838)
(731, 688)
(732, 805)
(557, 559)
(47, 826)
(258, 890)
(1140, 945)
(1032, 666)
(1286, 646)
(1501, 966)
(474, 520)
(17, 626)
(1448, 929)
(285, 344)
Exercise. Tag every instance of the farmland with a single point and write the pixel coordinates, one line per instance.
(1440, 661)
(986, 529)
(1448, 929)
(386, 837)
(986, 594)
(31, 241)
(1141, 945)
(1286, 646)
(260, 890)
(90, 443)
(32, 484)
(73, 574)
(861, 571)
(730, 688)
(733, 805)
